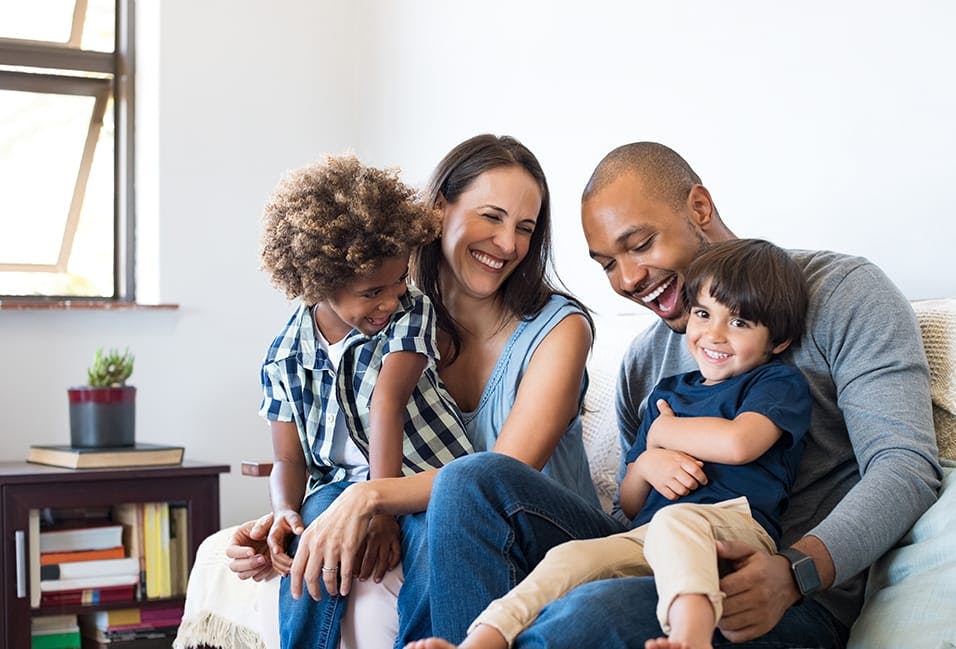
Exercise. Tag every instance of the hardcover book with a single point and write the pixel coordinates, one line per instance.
(52, 558)
(71, 539)
(87, 596)
(102, 581)
(82, 569)
(66, 456)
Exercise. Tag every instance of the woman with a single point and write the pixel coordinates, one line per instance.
(513, 350)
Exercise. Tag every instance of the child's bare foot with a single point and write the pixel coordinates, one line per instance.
(692, 621)
(430, 643)
(665, 643)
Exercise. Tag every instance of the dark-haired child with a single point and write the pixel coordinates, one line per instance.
(714, 459)
(350, 384)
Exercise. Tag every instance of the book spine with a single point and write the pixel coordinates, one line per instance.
(165, 564)
(91, 568)
(56, 641)
(52, 558)
(151, 549)
(87, 596)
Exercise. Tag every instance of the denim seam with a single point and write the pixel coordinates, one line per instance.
(517, 508)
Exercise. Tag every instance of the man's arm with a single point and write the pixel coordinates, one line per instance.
(881, 379)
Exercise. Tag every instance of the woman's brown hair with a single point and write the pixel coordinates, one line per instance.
(526, 291)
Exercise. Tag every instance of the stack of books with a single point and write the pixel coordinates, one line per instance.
(54, 632)
(85, 565)
(131, 628)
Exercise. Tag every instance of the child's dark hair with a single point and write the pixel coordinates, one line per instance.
(756, 280)
(330, 222)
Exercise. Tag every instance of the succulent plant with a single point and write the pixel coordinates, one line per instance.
(110, 369)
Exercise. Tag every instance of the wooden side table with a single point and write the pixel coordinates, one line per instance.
(25, 486)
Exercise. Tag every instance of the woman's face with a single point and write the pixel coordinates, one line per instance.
(486, 232)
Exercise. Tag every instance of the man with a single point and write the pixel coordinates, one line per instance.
(645, 215)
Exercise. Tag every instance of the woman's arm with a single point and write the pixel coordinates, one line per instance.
(549, 394)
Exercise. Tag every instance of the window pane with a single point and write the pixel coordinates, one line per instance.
(91, 260)
(42, 138)
(38, 20)
(100, 26)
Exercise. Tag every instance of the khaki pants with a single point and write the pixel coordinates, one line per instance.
(677, 546)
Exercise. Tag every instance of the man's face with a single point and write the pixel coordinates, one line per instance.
(644, 244)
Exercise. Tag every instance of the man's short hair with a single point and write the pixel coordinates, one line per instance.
(665, 174)
(754, 279)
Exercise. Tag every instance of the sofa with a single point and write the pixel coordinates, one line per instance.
(911, 591)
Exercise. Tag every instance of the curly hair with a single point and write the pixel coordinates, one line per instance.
(331, 222)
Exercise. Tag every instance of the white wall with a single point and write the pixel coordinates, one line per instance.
(813, 125)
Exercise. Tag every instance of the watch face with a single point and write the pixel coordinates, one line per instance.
(805, 571)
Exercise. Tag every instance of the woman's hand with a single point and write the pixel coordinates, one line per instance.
(248, 551)
(382, 549)
(671, 473)
(328, 546)
(285, 523)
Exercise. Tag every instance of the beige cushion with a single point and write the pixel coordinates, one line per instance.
(937, 321)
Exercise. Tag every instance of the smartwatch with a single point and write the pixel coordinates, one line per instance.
(804, 572)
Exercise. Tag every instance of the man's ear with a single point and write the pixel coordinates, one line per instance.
(701, 206)
(781, 347)
(440, 202)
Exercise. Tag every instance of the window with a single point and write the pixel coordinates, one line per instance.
(66, 218)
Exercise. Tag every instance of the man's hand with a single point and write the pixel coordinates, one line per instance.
(248, 551)
(759, 591)
(672, 473)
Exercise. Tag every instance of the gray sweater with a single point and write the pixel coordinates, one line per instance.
(870, 468)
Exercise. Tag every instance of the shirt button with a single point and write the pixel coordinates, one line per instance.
(329, 419)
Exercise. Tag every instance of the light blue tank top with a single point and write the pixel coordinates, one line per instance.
(569, 463)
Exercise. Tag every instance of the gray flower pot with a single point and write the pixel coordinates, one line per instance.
(102, 417)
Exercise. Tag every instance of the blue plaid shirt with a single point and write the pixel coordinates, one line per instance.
(298, 381)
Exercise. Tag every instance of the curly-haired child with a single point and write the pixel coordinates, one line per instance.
(350, 384)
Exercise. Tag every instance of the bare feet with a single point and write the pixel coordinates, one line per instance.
(430, 643)
(692, 622)
(481, 637)
(664, 643)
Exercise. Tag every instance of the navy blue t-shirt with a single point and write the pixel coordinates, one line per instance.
(775, 390)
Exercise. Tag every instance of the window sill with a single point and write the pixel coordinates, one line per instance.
(80, 305)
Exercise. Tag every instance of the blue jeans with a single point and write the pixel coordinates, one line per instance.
(491, 519)
(305, 622)
(317, 624)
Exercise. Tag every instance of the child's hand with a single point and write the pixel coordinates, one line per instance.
(671, 473)
(248, 551)
(286, 522)
(382, 549)
(660, 423)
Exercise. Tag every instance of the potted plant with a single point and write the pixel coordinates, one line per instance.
(102, 413)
